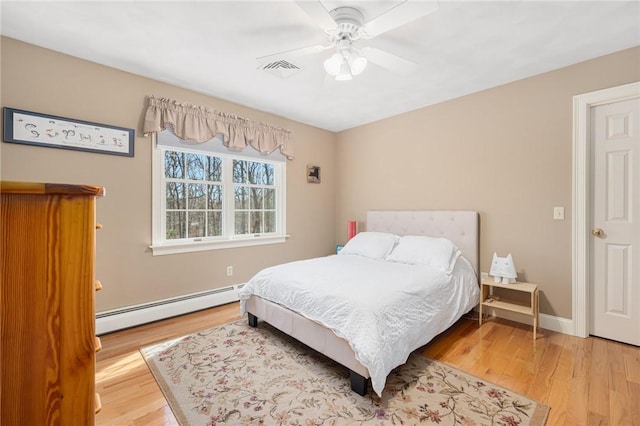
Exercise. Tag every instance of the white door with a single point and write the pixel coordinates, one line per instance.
(615, 221)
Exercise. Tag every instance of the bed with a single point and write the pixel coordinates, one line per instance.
(363, 329)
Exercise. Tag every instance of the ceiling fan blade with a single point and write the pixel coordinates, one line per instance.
(401, 14)
(389, 60)
(295, 52)
(318, 13)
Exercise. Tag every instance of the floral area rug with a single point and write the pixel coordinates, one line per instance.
(238, 375)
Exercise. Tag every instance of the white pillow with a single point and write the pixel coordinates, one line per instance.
(376, 245)
(439, 253)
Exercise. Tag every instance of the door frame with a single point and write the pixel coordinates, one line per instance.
(581, 214)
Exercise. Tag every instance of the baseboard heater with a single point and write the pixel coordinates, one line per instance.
(131, 316)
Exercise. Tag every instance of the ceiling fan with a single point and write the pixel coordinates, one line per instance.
(345, 26)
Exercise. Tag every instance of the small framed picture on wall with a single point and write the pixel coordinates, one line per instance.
(313, 174)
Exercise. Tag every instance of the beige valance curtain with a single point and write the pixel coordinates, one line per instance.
(200, 124)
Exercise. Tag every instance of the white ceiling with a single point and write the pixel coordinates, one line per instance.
(211, 47)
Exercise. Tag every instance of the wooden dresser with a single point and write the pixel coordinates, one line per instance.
(47, 313)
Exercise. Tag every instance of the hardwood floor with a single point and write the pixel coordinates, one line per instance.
(585, 381)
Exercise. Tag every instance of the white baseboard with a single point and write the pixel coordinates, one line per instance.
(131, 316)
(558, 324)
(548, 322)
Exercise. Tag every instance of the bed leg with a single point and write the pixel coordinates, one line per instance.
(253, 320)
(358, 383)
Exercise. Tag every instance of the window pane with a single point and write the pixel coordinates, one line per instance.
(239, 171)
(215, 197)
(175, 196)
(174, 164)
(256, 173)
(176, 225)
(267, 177)
(256, 222)
(195, 166)
(242, 223)
(214, 224)
(269, 198)
(214, 169)
(256, 198)
(196, 224)
(269, 222)
(197, 198)
(242, 197)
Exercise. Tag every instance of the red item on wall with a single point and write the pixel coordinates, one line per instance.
(352, 229)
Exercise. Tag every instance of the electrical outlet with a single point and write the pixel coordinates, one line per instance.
(484, 276)
(229, 271)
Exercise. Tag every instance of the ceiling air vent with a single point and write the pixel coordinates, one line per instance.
(281, 68)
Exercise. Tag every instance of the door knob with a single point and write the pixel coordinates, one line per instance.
(597, 232)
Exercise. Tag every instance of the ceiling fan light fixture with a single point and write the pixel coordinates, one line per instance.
(357, 63)
(333, 65)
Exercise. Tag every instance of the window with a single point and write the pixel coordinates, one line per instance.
(254, 196)
(205, 200)
(193, 195)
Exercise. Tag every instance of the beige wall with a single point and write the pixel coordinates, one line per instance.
(505, 152)
(44, 81)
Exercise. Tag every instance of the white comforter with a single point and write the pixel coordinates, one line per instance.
(384, 310)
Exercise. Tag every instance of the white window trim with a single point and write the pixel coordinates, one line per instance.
(161, 247)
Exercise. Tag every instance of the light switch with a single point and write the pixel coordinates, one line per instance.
(558, 213)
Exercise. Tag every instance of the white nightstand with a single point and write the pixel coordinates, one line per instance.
(487, 300)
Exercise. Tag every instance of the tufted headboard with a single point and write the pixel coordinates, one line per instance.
(461, 227)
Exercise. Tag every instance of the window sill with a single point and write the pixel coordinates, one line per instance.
(194, 246)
